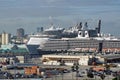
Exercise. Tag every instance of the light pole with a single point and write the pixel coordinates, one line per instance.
(76, 68)
(72, 69)
(62, 74)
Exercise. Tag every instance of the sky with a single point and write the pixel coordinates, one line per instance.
(30, 14)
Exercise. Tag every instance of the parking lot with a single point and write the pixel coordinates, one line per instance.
(72, 76)
(56, 75)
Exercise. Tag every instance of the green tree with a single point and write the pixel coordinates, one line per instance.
(90, 74)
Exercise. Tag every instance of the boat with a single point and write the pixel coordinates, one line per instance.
(36, 40)
(87, 40)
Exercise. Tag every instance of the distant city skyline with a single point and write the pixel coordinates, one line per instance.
(30, 14)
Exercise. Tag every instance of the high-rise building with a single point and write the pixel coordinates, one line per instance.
(0, 39)
(39, 29)
(5, 38)
(20, 32)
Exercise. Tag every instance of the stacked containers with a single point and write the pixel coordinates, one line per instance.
(27, 71)
(31, 70)
(34, 70)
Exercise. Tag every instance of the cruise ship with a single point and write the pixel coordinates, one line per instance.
(87, 40)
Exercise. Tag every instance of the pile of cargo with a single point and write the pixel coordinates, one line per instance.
(31, 70)
(95, 68)
(43, 72)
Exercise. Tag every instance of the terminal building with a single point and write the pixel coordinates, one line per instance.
(80, 59)
(69, 59)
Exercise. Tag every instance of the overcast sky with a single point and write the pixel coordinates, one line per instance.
(30, 14)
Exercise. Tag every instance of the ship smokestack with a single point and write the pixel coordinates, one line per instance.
(85, 26)
(99, 26)
(79, 26)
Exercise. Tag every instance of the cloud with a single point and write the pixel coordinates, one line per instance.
(34, 13)
(53, 1)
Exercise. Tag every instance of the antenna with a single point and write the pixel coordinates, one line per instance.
(99, 26)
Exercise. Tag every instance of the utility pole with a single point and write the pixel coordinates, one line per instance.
(77, 67)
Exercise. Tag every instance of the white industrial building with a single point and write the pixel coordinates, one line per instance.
(68, 59)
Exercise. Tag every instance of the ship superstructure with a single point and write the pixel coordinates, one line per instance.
(87, 40)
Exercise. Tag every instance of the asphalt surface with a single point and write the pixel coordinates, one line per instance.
(68, 76)
(72, 76)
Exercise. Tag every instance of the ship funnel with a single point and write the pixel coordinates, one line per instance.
(80, 25)
(99, 26)
(85, 26)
